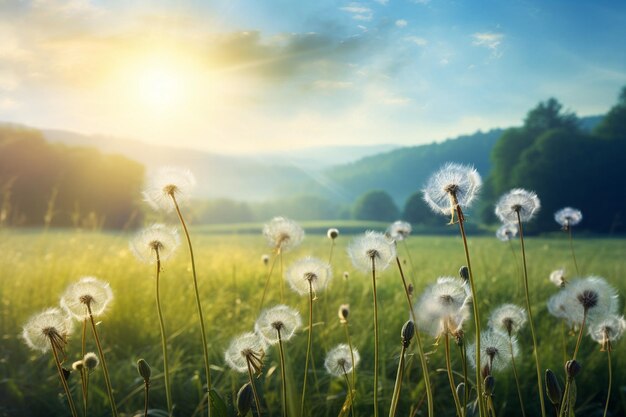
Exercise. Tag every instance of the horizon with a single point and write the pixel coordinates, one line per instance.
(239, 78)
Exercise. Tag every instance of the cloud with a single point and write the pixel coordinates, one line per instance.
(383, 2)
(359, 12)
(489, 40)
(332, 85)
(401, 23)
(416, 40)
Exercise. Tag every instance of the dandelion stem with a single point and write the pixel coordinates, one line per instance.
(520, 283)
(84, 373)
(420, 351)
(166, 368)
(282, 372)
(564, 340)
(267, 281)
(332, 246)
(375, 338)
(198, 304)
(608, 393)
(349, 339)
(466, 386)
(257, 402)
(571, 246)
(66, 388)
(308, 347)
(282, 291)
(350, 392)
(146, 398)
(408, 254)
(105, 368)
(519, 392)
(455, 396)
(580, 334)
(479, 388)
(492, 409)
(398, 385)
(530, 316)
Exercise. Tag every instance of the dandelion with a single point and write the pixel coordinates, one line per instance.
(495, 351)
(344, 313)
(89, 362)
(276, 325)
(308, 276)
(145, 372)
(339, 361)
(506, 232)
(518, 206)
(568, 217)
(557, 277)
(245, 354)
(49, 330)
(399, 230)
(406, 334)
(155, 244)
(332, 234)
(368, 252)
(167, 190)
(265, 258)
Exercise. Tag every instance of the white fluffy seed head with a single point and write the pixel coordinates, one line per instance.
(607, 328)
(89, 291)
(371, 245)
(247, 345)
(91, 361)
(308, 274)
(592, 294)
(280, 317)
(50, 326)
(495, 351)
(508, 319)
(506, 232)
(399, 230)
(339, 360)
(443, 307)
(453, 180)
(557, 277)
(283, 234)
(332, 233)
(155, 237)
(524, 202)
(568, 217)
(166, 183)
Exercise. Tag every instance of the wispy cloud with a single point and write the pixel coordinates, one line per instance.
(401, 23)
(416, 40)
(359, 11)
(332, 85)
(383, 2)
(489, 40)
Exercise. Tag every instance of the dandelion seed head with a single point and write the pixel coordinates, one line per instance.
(526, 203)
(557, 306)
(343, 313)
(166, 183)
(557, 277)
(155, 237)
(283, 234)
(460, 181)
(506, 232)
(89, 291)
(308, 270)
(592, 294)
(332, 233)
(247, 347)
(77, 366)
(339, 360)
(49, 326)
(371, 245)
(607, 329)
(399, 230)
(508, 319)
(91, 361)
(495, 351)
(265, 259)
(279, 318)
(568, 217)
(443, 307)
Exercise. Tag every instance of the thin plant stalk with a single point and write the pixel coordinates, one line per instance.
(492, 409)
(398, 384)
(463, 354)
(332, 246)
(420, 351)
(408, 255)
(571, 246)
(257, 402)
(267, 282)
(580, 334)
(66, 388)
(146, 398)
(282, 291)
(308, 347)
(105, 368)
(520, 284)
(198, 304)
(608, 393)
(519, 392)
(455, 396)
(564, 341)
(375, 338)
(461, 220)
(282, 372)
(84, 373)
(350, 391)
(530, 316)
(166, 368)
(349, 340)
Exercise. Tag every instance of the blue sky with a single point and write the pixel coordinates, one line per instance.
(244, 76)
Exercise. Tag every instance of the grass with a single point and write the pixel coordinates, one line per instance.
(36, 267)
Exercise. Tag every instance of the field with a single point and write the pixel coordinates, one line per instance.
(36, 267)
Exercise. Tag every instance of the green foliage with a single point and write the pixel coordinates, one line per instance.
(416, 211)
(375, 205)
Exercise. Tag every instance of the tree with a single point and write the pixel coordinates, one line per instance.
(613, 126)
(375, 205)
(416, 211)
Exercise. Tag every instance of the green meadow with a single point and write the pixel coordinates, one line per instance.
(36, 267)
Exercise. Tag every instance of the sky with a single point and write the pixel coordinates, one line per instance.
(248, 76)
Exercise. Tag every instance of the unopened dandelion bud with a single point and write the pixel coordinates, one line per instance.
(553, 388)
(91, 361)
(410, 289)
(408, 331)
(332, 233)
(460, 390)
(245, 397)
(78, 366)
(464, 273)
(344, 312)
(490, 385)
(144, 369)
(265, 259)
(572, 368)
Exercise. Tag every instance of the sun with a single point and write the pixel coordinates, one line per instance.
(160, 88)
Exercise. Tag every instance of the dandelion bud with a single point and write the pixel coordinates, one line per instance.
(346, 275)
(266, 259)
(572, 368)
(408, 331)
(244, 399)
(486, 371)
(344, 311)
(144, 369)
(332, 233)
(91, 361)
(460, 390)
(490, 385)
(464, 273)
(78, 366)
(553, 388)
(410, 289)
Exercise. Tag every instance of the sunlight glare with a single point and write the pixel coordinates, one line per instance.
(160, 88)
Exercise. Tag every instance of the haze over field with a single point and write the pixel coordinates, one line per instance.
(257, 77)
